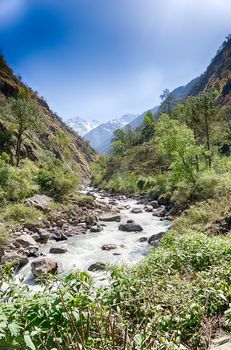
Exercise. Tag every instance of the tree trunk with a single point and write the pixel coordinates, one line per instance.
(18, 147)
(207, 138)
(197, 159)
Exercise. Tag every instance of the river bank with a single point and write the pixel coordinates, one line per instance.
(89, 236)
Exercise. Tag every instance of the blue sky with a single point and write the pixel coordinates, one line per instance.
(99, 59)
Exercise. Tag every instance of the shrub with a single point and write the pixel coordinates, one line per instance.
(57, 180)
(14, 213)
(17, 183)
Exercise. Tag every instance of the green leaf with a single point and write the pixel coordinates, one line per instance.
(14, 329)
(29, 342)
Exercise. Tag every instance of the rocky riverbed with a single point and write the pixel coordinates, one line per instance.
(109, 230)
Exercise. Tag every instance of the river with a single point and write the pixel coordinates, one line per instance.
(84, 250)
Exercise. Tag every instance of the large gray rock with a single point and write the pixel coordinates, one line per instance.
(156, 237)
(98, 266)
(43, 266)
(26, 241)
(148, 208)
(110, 218)
(136, 211)
(44, 236)
(40, 201)
(109, 247)
(160, 212)
(58, 235)
(58, 250)
(142, 239)
(95, 228)
(154, 204)
(130, 226)
(15, 258)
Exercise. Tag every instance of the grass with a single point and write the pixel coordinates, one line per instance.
(15, 213)
(200, 214)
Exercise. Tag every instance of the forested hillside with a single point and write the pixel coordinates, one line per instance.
(39, 154)
(143, 156)
(181, 161)
(46, 134)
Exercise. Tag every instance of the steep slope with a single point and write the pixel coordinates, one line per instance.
(100, 138)
(138, 121)
(73, 148)
(218, 74)
(82, 126)
(177, 96)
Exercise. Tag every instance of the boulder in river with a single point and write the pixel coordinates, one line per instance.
(160, 212)
(32, 252)
(95, 228)
(43, 266)
(155, 237)
(58, 235)
(110, 218)
(154, 204)
(26, 241)
(136, 211)
(164, 199)
(112, 202)
(109, 247)
(43, 236)
(58, 250)
(40, 201)
(98, 266)
(142, 239)
(15, 258)
(130, 226)
(148, 208)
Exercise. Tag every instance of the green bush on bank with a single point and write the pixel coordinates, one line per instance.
(174, 297)
(57, 180)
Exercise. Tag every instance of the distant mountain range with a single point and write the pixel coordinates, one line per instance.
(82, 126)
(100, 137)
(217, 75)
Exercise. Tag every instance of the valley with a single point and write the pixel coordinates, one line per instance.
(124, 251)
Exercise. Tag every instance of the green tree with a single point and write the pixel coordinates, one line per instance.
(124, 139)
(176, 140)
(148, 127)
(168, 101)
(207, 111)
(24, 117)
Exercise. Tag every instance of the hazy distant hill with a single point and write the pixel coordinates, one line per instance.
(101, 136)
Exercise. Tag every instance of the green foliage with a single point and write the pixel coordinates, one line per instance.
(148, 127)
(17, 183)
(123, 140)
(166, 301)
(15, 213)
(177, 140)
(123, 183)
(57, 180)
(24, 116)
(98, 170)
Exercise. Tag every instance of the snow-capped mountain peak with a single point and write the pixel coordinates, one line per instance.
(82, 126)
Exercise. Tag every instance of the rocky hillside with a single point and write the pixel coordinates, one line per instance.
(218, 74)
(53, 136)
